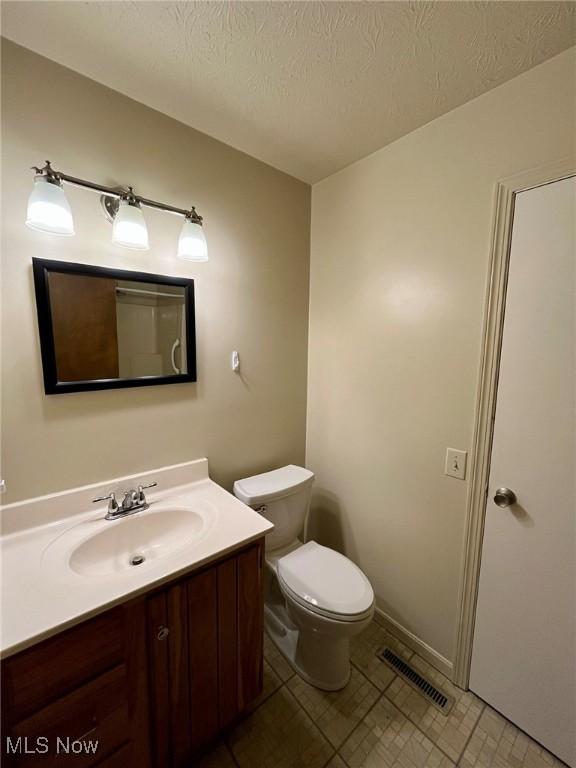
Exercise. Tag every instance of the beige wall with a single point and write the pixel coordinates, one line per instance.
(252, 295)
(399, 260)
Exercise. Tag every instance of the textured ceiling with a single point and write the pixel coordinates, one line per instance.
(307, 87)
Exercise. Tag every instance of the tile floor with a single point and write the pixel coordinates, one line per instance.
(377, 721)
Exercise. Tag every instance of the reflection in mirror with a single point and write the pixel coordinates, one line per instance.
(111, 326)
(151, 330)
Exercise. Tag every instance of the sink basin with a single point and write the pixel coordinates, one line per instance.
(104, 548)
(136, 540)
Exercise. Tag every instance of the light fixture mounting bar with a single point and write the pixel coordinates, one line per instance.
(116, 193)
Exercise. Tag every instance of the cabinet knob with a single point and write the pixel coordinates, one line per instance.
(162, 633)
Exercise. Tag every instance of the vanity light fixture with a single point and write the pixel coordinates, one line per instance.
(48, 208)
(49, 211)
(128, 225)
(192, 242)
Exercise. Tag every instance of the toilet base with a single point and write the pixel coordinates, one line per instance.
(323, 663)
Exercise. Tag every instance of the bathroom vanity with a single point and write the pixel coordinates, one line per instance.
(174, 652)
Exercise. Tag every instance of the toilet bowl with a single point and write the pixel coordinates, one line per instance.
(315, 599)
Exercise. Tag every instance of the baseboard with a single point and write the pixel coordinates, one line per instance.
(433, 658)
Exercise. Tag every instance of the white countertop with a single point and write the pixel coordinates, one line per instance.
(42, 594)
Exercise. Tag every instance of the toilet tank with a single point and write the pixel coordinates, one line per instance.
(281, 496)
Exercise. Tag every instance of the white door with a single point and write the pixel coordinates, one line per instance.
(523, 659)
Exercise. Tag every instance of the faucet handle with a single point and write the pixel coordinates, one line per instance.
(111, 499)
(141, 498)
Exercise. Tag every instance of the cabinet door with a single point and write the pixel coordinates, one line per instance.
(225, 619)
(203, 656)
(157, 631)
(183, 651)
(228, 641)
(169, 676)
(240, 632)
(250, 624)
(205, 639)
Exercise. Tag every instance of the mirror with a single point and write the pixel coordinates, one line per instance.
(105, 328)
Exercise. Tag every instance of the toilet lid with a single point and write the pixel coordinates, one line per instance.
(326, 580)
(260, 489)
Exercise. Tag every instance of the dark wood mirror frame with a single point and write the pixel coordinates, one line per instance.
(42, 269)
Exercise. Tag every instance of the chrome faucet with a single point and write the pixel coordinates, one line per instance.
(133, 501)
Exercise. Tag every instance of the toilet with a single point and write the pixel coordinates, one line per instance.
(315, 599)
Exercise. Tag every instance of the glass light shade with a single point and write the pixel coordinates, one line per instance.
(48, 209)
(129, 227)
(192, 244)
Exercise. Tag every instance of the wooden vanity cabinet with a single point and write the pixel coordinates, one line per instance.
(153, 680)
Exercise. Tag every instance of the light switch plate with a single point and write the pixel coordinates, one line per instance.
(455, 463)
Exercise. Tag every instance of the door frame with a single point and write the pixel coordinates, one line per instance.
(505, 195)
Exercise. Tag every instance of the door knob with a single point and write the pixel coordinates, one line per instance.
(504, 497)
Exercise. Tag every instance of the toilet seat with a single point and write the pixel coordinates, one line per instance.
(325, 582)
